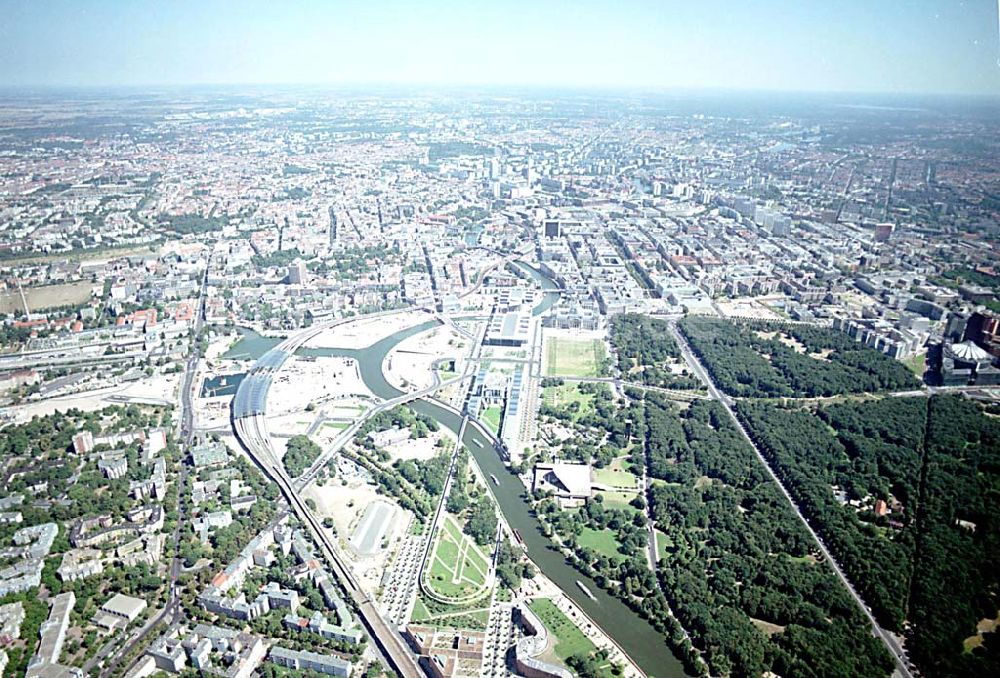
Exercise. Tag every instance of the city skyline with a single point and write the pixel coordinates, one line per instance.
(926, 47)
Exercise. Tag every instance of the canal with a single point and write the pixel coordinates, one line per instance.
(250, 346)
(633, 633)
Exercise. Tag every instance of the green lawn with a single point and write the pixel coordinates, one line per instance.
(458, 568)
(615, 475)
(663, 545)
(619, 499)
(439, 615)
(490, 416)
(569, 639)
(336, 425)
(918, 364)
(344, 410)
(574, 357)
(602, 541)
(420, 612)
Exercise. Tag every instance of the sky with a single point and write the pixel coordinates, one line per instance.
(891, 46)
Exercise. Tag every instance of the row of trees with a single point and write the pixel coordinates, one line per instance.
(392, 483)
(745, 362)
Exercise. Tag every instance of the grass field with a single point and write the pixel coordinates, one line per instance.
(568, 639)
(431, 613)
(349, 410)
(335, 425)
(574, 357)
(616, 475)
(458, 568)
(84, 254)
(619, 499)
(664, 545)
(917, 364)
(602, 541)
(47, 296)
(490, 416)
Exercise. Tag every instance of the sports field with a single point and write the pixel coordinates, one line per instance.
(573, 357)
(458, 568)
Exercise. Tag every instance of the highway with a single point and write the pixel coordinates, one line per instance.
(897, 652)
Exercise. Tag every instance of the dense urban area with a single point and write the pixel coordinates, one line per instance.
(451, 383)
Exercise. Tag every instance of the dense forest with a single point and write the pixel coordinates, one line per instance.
(904, 491)
(956, 580)
(766, 359)
(876, 453)
(739, 571)
(645, 349)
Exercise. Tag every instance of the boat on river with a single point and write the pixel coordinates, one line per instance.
(584, 588)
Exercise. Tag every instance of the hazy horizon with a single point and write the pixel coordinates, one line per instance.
(853, 47)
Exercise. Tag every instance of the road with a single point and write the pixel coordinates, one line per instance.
(492, 267)
(348, 433)
(897, 652)
(172, 609)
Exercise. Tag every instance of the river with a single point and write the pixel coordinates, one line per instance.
(550, 297)
(633, 633)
